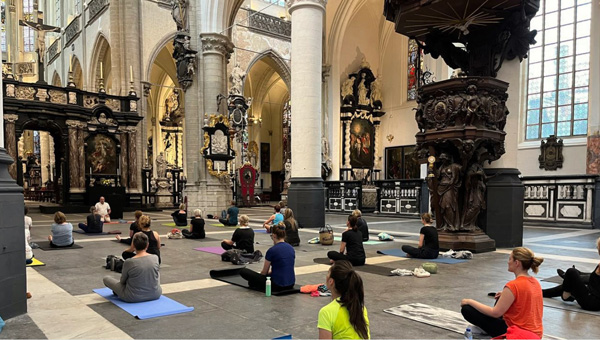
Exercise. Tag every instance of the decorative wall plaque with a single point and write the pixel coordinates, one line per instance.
(551, 157)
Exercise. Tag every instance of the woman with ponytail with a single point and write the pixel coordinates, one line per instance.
(346, 316)
(520, 304)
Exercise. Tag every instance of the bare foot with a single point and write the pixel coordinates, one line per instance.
(50, 238)
(331, 261)
(118, 237)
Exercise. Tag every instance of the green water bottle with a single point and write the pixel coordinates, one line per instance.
(268, 286)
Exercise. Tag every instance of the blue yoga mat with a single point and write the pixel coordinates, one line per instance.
(288, 336)
(260, 231)
(400, 253)
(145, 310)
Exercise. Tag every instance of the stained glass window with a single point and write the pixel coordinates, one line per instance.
(413, 66)
(2, 11)
(558, 70)
(28, 38)
(277, 2)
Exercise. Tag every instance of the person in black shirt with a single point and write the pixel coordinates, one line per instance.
(352, 244)
(133, 228)
(180, 216)
(580, 287)
(94, 222)
(429, 247)
(197, 226)
(243, 237)
(291, 228)
(361, 224)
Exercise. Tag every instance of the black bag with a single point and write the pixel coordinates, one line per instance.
(119, 265)
(114, 263)
(109, 260)
(227, 256)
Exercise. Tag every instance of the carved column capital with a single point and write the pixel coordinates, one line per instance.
(214, 43)
(127, 129)
(294, 4)
(11, 118)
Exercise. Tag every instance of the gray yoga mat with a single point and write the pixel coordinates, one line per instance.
(45, 245)
(554, 279)
(367, 268)
(558, 303)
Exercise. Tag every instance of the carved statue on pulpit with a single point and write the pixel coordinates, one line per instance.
(449, 182)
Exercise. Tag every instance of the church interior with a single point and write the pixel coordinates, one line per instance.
(481, 114)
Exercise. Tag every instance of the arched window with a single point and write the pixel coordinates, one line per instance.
(28, 38)
(558, 70)
(3, 13)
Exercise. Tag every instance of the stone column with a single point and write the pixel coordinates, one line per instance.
(10, 141)
(74, 156)
(593, 140)
(45, 156)
(306, 194)
(13, 301)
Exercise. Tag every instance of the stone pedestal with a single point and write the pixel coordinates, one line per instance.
(164, 198)
(476, 242)
(13, 283)
(369, 200)
(503, 218)
(306, 197)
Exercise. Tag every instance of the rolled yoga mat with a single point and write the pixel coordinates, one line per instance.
(232, 276)
(148, 309)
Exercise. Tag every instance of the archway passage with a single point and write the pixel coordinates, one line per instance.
(268, 135)
(40, 159)
(165, 123)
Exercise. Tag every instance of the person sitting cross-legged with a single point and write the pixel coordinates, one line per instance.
(429, 247)
(232, 216)
(279, 265)
(519, 304)
(196, 226)
(133, 228)
(62, 232)
(242, 238)
(274, 219)
(140, 279)
(352, 245)
(180, 216)
(93, 224)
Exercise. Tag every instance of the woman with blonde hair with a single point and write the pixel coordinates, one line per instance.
(196, 226)
(62, 232)
(520, 304)
(153, 240)
(583, 288)
(291, 228)
(180, 216)
(242, 238)
(361, 224)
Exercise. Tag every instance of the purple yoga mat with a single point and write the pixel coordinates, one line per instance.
(212, 250)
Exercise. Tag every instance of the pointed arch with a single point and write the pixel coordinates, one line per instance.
(101, 53)
(77, 73)
(276, 61)
(56, 80)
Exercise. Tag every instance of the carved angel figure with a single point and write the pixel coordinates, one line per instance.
(376, 97)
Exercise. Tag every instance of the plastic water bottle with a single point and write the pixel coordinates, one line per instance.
(468, 334)
(268, 289)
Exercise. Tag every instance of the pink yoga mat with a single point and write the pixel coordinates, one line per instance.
(212, 250)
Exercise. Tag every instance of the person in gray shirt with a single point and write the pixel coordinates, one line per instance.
(62, 232)
(140, 279)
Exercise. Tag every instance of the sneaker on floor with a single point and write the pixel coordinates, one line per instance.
(420, 272)
(449, 253)
(34, 245)
(402, 272)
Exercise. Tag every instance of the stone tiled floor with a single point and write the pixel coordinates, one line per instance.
(63, 305)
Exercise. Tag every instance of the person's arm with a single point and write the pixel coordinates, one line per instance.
(269, 220)
(131, 233)
(157, 239)
(342, 247)
(125, 272)
(229, 242)
(421, 240)
(192, 225)
(108, 208)
(131, 248)
(266, 268)
(504, 302)
(325, 334)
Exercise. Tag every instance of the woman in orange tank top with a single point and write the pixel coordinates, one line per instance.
(519, 304)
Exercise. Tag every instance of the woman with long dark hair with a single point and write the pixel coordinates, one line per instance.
(351, 247)
(346, 316)
(291, 228)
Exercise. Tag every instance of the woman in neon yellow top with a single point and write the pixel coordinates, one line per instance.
(346, 316)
